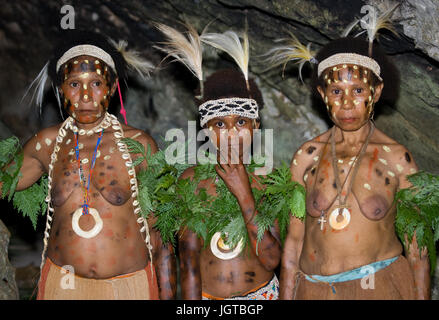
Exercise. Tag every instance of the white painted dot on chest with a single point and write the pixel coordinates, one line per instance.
(48, 141)
(38, 146)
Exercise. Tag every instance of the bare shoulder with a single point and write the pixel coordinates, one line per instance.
(140, 136)
(396, 156)
(308, 154)
(42, 143)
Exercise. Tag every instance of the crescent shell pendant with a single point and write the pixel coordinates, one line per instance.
(92, 232)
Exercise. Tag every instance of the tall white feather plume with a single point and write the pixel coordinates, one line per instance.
(230, 43)
(185, 50)
(349, 28)
(293, 50)
(377, 22)
(133, 59)
(40, 84)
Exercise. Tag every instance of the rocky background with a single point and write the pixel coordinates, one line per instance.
(29, 28)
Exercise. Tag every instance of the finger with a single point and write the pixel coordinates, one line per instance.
(220, 172)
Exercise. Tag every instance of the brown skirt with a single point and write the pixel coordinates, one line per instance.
(394, 282)
(56, 284)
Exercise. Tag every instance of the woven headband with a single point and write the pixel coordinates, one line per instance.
(86, 50)
(350, 58)
(224, 107)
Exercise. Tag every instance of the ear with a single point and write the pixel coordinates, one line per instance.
(113, 87)
(321, 91)
(378, 91)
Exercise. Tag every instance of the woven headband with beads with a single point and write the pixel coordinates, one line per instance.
(350, 58)
(86, 50)
(243, 107)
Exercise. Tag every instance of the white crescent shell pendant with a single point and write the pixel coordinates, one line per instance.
(92, 232)
(333, 218)
(217, 243)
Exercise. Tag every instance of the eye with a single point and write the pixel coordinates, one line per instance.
(74, 84)
(241, 122)
(219, 124)
(336, 91)
(97, 83)
(358, 90)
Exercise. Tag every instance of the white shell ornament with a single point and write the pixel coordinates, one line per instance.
(92, 232)
(223, 251)
(338, 225)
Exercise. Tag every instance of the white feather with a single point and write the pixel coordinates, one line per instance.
(133, 59)
(40, 84)
(230, 43)
(187, 50)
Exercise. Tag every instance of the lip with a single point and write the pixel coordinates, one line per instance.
(348, 120)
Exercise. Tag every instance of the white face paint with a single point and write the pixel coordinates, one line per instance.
(390, 173)
(399, 168)
(107, 157)
(305, 177)
(383, 161)
(367, 186)
(295, 162)
(386, 148)
(299, 151)
(316, 158)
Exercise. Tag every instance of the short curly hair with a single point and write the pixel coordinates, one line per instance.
(389, 72)
(229, 83)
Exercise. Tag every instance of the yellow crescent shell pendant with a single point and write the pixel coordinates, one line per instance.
(92, 232)
(217, 243)
(342, 224)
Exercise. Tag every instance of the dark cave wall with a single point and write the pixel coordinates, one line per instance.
(29, 28)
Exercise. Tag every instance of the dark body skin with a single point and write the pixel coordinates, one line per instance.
(201, 270)
(120, 247)
(370, 236)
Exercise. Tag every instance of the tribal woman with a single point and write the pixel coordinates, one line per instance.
(94, 234)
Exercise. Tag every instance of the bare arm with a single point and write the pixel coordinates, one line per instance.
(268, 250)
(418, 259)
(190, 274)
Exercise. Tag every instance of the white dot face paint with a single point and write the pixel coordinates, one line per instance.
(84, 86)
(95, 104)
(367, 186)
(390, 173)
(98, 71)
(337, 103)
(299, 151)
(75, 62)
(386, 148)
(48, 141)
(356, 102)
(76, 105)
(107, 157)
(85, 96)
(305, 177)
(340, 161)
(38, 146)
(399, 168)
(295, 162)
(316, 158)
(383, 161)
(412, 170)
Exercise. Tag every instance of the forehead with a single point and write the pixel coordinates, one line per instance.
(84, 64)
(345, 73)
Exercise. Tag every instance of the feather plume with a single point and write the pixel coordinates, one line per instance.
(187, 50)
(349, 28)
(292, 50)
(133, 59)
(40, 84)
(377, 23)
(230, 43)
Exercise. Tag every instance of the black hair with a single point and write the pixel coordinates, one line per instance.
(71, 38)
(389, 73)
(229, 83)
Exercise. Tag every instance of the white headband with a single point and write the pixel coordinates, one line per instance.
(224, 107)
(350, 58)
(86, 50)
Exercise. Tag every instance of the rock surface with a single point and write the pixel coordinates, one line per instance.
(8, 286)
(28, 30)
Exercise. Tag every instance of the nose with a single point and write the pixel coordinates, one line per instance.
(85, 93)
(347, 103)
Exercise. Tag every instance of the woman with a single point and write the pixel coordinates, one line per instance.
(214, 270)
(347, 247)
